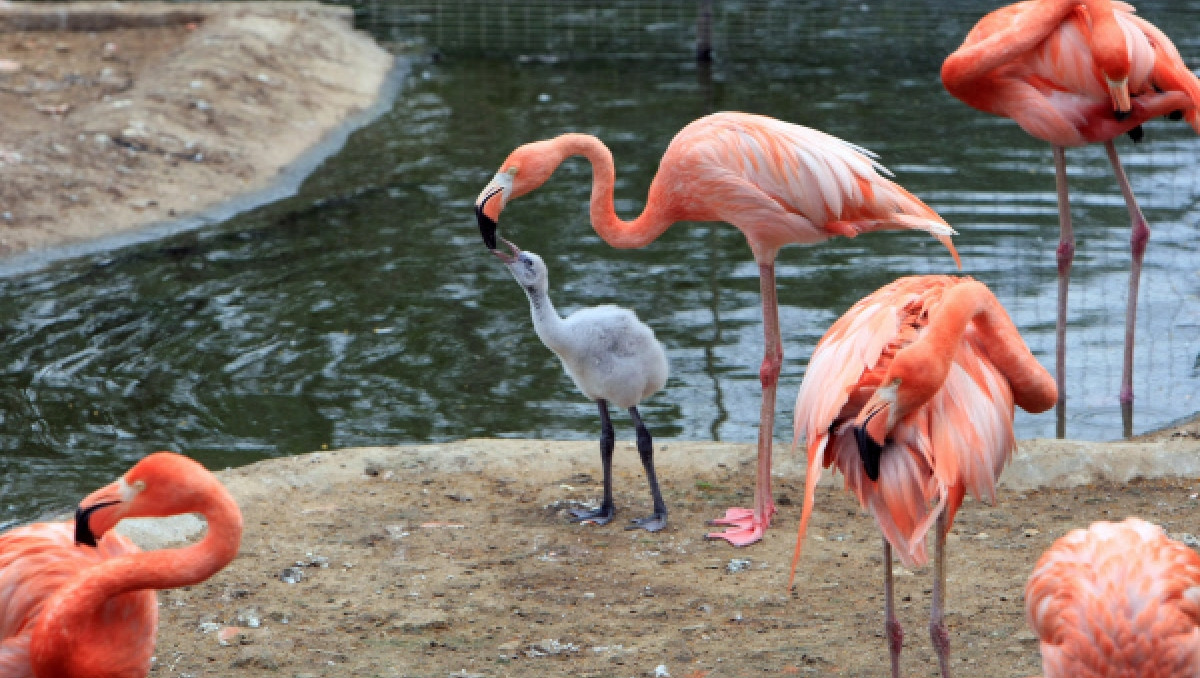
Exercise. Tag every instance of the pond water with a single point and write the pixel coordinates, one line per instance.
(365, 311)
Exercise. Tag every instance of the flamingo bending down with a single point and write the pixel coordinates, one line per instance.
(910, 395)
(77, 601)
(612, 357)
(1117, 599)
(1074, 72)
(776, 182)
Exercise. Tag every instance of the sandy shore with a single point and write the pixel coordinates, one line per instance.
(458, 559)
(121, 116)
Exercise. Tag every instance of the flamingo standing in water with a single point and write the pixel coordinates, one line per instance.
(776, 182)
(77, 601)
(1074, 72)
(1117, 599)
(910, 395)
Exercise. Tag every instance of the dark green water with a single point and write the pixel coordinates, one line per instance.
(365, 311)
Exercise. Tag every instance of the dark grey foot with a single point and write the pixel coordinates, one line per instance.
(600, 516)
(652, 523)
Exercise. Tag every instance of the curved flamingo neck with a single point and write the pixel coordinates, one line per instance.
(61, 637)
(611, 228)
(963, 69)
(971, 302)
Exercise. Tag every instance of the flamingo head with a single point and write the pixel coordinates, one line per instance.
(909, 383)
(1111, 55)
(526, 267)
(525, 169)
(161, 484)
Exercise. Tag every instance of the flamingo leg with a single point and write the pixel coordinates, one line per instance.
(1139, 235)
(937, 621)
(895, 633)
(604, 514)
(748, 525)
(1065, 255)
(645, 445)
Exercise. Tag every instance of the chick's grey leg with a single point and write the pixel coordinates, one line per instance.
(645, 445)
(604, 514)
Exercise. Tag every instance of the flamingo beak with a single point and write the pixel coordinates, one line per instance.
(508, 259)
(1119, 91)
(488, 205)
(91, 520)
(872, 426)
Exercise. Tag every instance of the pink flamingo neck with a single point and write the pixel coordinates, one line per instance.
(68, 616)
(618, 233)
(1034, 389)
(963, 70)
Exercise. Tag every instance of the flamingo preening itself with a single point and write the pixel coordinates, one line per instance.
(1075, 72)
(78, 601)
(1117, 599)
(613, 358)
(778, 183)
(910, 396)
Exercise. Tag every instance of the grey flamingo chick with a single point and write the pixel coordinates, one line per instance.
(612, 357)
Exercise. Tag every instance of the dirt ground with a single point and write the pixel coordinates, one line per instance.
(145, 112)
(458, 560)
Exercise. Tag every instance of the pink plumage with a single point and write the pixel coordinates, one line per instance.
(910, 395)
(1115, 600)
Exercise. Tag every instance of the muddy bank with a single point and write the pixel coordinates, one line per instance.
(120, 116)
(458, 559)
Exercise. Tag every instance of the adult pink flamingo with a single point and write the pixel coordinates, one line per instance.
(1117, 599)
(1074, 72)
(910, 395)
(76, 606)
(778, 183)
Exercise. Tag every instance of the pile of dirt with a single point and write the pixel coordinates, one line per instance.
(459, 560)
(117, 116)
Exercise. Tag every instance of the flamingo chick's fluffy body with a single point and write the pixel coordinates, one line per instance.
(1074, 72)
(613, 358)
(910, 396)
(74, 606)
(1115, 600)
(778, 183)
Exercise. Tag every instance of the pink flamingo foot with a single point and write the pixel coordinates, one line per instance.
(745, 527)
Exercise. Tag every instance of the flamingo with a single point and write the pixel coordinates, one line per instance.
(1117, 599)
(910, 395)
(1074, 72)
(612, 357)
(77, 601)
(778, 183)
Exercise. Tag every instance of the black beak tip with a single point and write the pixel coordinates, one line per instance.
(1121, 115)
(487, 228)
(83, 531)
(870, 452)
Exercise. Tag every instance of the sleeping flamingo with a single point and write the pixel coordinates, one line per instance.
(778, 183)
(613, 358)
(1075, 72)
(910, 395)
(1117, 599)
(77, 601)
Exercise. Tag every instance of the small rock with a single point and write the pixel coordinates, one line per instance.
(982, 535)
(1032, 532)
(9, 66)
(1025, 636)
(232, 635)
(737, 565)
(291, 575)
(110, 50)
(661, 671)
